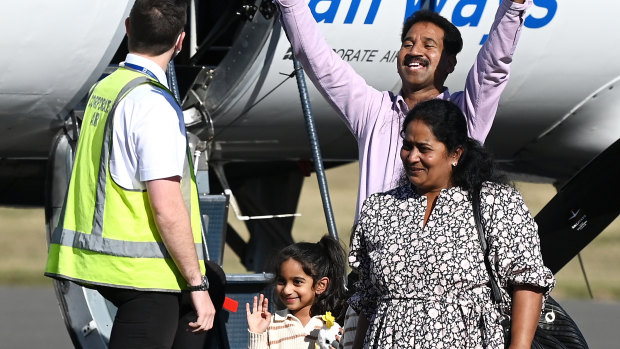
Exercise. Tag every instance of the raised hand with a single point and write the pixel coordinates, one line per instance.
(260, 317)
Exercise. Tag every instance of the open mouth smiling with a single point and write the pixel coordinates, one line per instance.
(416, 62)
(415, 170)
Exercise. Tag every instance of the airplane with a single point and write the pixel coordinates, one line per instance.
(235, 79)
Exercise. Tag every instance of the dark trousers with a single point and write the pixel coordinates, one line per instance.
(151, 319)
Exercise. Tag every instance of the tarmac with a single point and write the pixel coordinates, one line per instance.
(30, 319)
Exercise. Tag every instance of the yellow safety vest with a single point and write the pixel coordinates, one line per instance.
(106, 235)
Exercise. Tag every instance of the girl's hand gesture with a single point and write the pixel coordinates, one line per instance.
(260, 317)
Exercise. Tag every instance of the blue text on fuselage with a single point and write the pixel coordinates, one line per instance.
(460, 18)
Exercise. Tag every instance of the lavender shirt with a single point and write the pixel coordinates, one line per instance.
(375, 117)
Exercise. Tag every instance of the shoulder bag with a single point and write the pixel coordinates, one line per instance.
(555, 328)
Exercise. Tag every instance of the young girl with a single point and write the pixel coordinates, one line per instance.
(309, 282)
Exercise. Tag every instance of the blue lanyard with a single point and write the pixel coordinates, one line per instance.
(141, 69)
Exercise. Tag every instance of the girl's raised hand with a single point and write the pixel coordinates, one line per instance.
(260, 317)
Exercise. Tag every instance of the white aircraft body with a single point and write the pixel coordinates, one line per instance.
(559, 110)
(52, 54)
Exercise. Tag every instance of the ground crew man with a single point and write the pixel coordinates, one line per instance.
(130, 226)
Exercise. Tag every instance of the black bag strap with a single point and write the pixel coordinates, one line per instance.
(475, 202)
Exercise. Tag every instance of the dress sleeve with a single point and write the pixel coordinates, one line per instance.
(489, 74)
(364, 300)
(515, 245)
(348, 93)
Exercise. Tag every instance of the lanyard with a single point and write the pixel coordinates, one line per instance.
(141, 69)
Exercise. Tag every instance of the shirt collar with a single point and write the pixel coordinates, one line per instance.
(445, 95)
(148, 64)
(400, 105)
(281, 315)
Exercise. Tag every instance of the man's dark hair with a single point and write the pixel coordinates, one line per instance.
(452, 41)
(155, 25)
(448, 125)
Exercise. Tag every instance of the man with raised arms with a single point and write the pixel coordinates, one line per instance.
(429, 45)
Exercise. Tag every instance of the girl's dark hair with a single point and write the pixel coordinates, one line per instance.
(447, 122)
(322, 259)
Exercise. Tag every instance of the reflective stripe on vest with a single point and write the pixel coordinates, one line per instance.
(114, 252)
(120, 248)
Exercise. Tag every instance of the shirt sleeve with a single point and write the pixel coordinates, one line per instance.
(159, 138)
(347, 92)
(350, 327)
(366, 295)
(258, 340)
(515, 245)
(489, 74)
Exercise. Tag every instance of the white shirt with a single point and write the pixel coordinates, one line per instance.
(149, 140)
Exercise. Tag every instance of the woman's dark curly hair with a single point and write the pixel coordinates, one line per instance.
(447, 122)
(325, 258)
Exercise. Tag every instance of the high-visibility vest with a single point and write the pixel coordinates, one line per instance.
(106, 235)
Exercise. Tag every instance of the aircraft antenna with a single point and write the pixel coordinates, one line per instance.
(585, 276)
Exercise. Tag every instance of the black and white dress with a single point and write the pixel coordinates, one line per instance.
(426, 286)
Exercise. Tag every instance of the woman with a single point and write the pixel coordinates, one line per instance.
(423, 281)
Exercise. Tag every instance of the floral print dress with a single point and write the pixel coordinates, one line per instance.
(426, 286)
